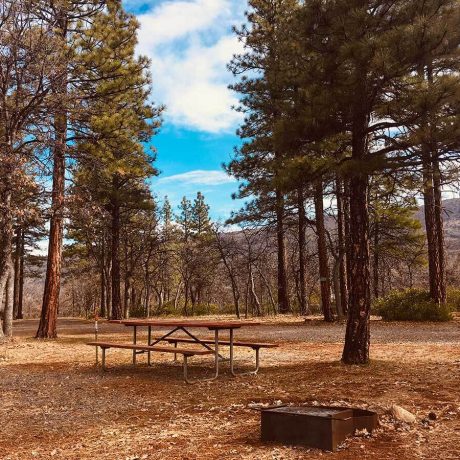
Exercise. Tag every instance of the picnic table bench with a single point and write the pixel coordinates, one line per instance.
(185, 352)
(256, 346)
(207, 346)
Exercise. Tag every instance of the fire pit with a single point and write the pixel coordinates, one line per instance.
(314, 426)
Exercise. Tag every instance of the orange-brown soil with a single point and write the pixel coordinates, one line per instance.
(55, 404)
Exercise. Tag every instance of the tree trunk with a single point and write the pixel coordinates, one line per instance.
(283, 293)
(255, 299)
(21, 277)
(48, 319)
(127, 283)
(302, 236)
(103, 286)
(434, 268)
(108, 282)
(269, 289)
(8, 308)
(117, 311)
(433, 206)
(439, 221)
(17, 272)
(322, 255)
(357, 337)
(341, 237)
(346, 214)
(6, 267)
(337, 291)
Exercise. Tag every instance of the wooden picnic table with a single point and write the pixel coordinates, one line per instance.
(185, 326)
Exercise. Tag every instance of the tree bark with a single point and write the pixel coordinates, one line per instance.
(302, 236)
(21, 277)
(48, 319)
(254, 297)
(103, 283)
(17, 272)
(6, 260)
(434, 260)
(283, 293)
(439, 221)
(8, 308)
(341, 237)
(323, 262)
(357, 337)
(127, 283)
(117, 311)
(346, 214)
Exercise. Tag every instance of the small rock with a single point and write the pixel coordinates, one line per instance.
(432, 416)
(402, 414)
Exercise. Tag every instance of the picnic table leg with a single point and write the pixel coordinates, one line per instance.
(231, 352)
(103, 357)
(175, 354)
(232, 371)
(134, 342)
(148, 342)
(216, 360)
(216, 351)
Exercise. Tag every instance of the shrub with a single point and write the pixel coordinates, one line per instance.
(410, 305)
(453, 299)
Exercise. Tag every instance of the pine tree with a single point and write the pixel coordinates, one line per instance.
(29, 67)
(65, 18)
(263, 66)
(394, 230)
(113, 160)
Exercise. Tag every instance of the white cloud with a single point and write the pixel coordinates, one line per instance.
(198, 177)
(175, 19)
(190, 43)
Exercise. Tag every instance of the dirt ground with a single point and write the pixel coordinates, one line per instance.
(54, 403)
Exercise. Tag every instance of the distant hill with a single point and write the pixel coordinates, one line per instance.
(451, 216)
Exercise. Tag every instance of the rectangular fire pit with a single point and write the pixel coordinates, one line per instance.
(314, 426)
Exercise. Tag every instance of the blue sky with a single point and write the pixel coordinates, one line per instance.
(190, 42)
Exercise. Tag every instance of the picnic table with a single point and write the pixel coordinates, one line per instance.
(205, 346)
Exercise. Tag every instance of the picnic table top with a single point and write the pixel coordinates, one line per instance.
(186, 323)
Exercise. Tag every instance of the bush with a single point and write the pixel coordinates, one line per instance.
(410, 305)
(453, 299)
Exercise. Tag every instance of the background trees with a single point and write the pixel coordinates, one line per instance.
(336, 110)
(350, 122)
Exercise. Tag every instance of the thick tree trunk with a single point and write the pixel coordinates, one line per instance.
(117, 311)
(433, 238)
(283, 293)
(357, 338)
(341, 237)
(302, 235)
(6, 261)
(48, 319)
(8, 308)
(323, 262)
(432, 195)
(6, 267)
